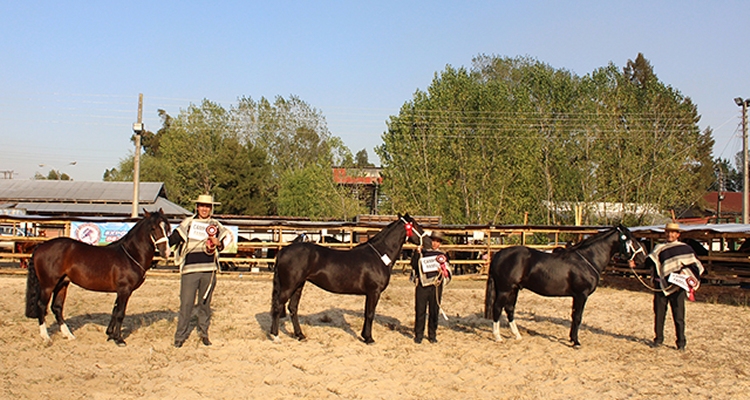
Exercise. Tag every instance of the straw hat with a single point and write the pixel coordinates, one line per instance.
(437, 235)
(673, 226)
(205, 199)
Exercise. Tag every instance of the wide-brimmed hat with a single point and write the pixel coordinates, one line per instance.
(673, 226)
(437, 235)
(205, 199)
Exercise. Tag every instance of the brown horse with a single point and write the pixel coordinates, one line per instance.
(118, 267)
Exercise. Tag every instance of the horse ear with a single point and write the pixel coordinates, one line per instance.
(161, 211)
(146, 213)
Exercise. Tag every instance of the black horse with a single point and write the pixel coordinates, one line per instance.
(573, 271)
(118, 267)
(363, 270)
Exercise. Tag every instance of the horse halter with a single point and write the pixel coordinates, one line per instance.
(627, 244)
(162, 239)
(409, 226)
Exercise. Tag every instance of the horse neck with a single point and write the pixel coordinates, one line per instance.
(134, 242)
(389, 240)
(599, 249)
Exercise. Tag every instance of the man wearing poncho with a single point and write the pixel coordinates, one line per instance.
(676, 273)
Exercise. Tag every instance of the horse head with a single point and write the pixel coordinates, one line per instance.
(159, 230)
(414, 232)
(630, 247)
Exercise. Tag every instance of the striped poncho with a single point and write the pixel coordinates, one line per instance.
(674, 257)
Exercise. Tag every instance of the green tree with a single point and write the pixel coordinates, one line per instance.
(515, 137)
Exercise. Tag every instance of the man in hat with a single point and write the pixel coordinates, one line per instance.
(430, 271)
(199, 239)
(671, 262)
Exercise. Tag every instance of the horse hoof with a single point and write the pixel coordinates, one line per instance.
(275, 339)
(368, 341)
(118, 342)
(498, 338)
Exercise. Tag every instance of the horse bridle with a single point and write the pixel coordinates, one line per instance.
(161, 240)
(156, 242)
(629, 247)
(410, 231)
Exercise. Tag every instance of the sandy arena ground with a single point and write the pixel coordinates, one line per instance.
(615, 361)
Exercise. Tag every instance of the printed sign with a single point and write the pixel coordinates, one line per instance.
(99, 233)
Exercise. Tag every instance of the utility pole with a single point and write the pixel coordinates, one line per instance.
(745, 199)
(138, 129)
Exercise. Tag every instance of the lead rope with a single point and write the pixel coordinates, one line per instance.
(640, 250)
(154, 241)
(596, 272)
(437, 298)
(133, 259)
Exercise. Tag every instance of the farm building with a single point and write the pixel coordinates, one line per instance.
(89, 199)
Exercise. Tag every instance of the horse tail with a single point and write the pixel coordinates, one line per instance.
(489, 296)
(275, 293)
(33, 291)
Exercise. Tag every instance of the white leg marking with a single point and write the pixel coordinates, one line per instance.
(514, 329)
(43, 333)
(496, 331)
(275, 338)
(66, 332)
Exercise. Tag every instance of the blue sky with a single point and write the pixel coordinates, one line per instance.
(71, 72)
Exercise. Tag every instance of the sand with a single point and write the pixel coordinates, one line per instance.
(614, 362)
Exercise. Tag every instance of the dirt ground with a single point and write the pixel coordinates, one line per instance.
(615, 361)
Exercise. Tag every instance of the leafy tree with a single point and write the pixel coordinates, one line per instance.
(362, 160)
(728, 177)
(515, 137)
(53, 175)
(243, 156)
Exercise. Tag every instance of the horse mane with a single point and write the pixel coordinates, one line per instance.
(379, 237)
(134, 230)
(592, 239)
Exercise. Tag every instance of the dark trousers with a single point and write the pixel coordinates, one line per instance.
(676, 302)
(192, 284)
(424, 296)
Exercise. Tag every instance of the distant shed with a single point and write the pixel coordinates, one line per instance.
(91, 199)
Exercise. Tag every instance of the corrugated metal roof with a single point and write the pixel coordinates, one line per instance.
(169, 208)
(72, 191)
(716, 228)
(85, 198)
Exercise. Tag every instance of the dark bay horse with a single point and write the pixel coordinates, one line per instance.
(574, 271)
(118, 267)
(363, 270)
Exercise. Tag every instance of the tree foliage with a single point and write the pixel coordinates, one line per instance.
(248, 157)
(514, 138)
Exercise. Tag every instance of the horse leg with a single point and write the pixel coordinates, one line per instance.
(114, 331)
(58, 300)
(293, 312)
(371, 302)
(510, 309)
(501, 300)
(579, 302)
(42, 304)
(279, 298)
